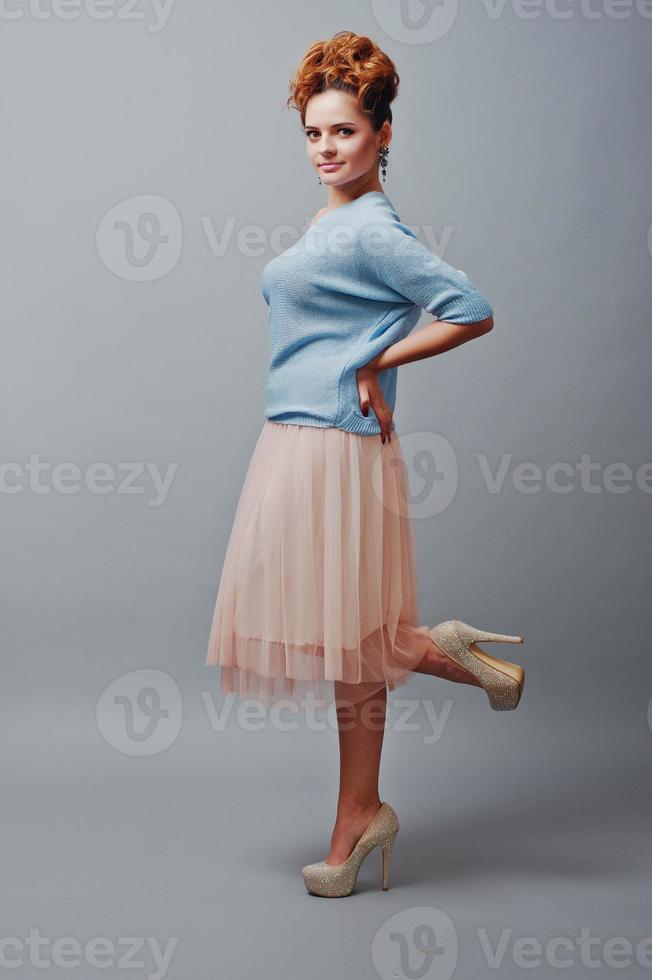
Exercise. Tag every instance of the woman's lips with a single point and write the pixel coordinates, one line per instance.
(329, 166)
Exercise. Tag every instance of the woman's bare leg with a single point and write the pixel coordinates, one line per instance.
(361, 727)
(437, 664)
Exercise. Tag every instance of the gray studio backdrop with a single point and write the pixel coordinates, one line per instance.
(149, 170)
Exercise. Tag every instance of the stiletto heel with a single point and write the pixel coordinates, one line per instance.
(337, 880)
(387, 857)
(503, 681)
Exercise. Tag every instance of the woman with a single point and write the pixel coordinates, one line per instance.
(318, 592)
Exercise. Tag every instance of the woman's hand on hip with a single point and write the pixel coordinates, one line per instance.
(371, 394)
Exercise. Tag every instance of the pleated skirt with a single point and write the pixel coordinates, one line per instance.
(317, 597)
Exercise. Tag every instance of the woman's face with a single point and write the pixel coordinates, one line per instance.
(340, 141)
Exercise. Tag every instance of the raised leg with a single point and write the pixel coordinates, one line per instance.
(437, 664)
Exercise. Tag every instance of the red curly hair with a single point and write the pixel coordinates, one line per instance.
(350, 63)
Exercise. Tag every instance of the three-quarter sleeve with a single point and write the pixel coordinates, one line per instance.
(396, 258)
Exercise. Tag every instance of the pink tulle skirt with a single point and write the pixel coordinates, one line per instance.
(318, 583)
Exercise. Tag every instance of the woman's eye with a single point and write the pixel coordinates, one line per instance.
(342, 129)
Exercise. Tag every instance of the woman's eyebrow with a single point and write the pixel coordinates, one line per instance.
(334, 125)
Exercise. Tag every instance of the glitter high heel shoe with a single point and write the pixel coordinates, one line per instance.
(337, 880)
(502, 680)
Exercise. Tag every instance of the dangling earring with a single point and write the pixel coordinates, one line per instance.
(318, 178)
(383, 153)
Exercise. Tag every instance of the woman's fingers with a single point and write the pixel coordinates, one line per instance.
(371, 396)
(365, 401)
(384, 416)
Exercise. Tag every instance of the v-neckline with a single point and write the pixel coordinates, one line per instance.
(346, 204)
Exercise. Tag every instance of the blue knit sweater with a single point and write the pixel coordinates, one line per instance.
(354, 283)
